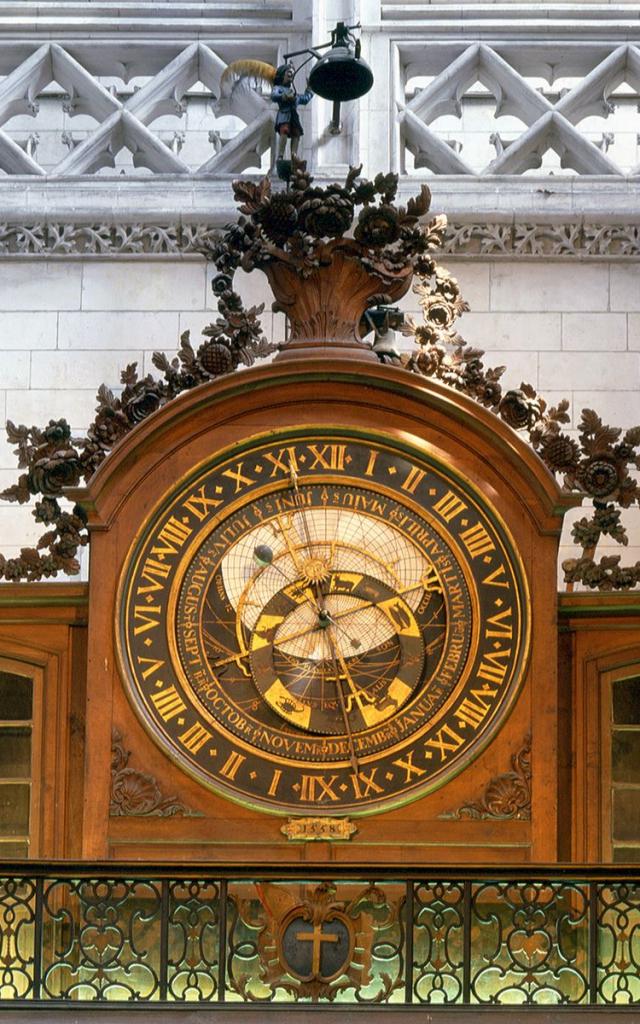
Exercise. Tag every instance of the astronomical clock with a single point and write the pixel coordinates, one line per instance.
(323, 597)
(323, 621)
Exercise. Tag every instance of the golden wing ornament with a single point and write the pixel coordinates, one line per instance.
(240, 70)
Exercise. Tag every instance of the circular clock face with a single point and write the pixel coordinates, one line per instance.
(323, 623)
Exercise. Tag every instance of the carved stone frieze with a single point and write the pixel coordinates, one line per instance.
(507, 796)
(502, 240)
(538, 240)
(135, 793)
(56, 239)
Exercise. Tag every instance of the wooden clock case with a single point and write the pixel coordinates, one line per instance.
(324, 393)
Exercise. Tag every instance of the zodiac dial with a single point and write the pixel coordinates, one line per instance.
(323, 622)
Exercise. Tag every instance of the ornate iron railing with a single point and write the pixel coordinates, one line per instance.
(91, 934)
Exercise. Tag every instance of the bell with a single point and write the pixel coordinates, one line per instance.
(340, 75)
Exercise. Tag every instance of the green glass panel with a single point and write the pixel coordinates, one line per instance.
(13, 850)
(15, 752)
(626, 701)
(625, 756)
(16, 697)
(626, 815)
(626, 855)
(14, 809)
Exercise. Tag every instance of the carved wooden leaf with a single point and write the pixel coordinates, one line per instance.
(250, 195)
(559, 412)
(106, 397)
(16, 434)
(632, 436)
(418, 205)
(17, 492)
(129, 375)
(595, 435)
(160, 361)
(354, 172)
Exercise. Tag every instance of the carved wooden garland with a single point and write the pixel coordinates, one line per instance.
(300, 227)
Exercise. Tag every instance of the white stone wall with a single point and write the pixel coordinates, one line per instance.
(570, 328)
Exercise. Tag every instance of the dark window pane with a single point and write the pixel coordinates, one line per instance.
(14, 809)
(15, 752)
(626, 701)
(625, 756)
(626, 815)
(13, 851)
(626, 855)
(16, 697)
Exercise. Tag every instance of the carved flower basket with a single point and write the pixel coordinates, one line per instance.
(325, 308)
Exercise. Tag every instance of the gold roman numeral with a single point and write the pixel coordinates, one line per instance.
(168, 703)
(238, 477)
(414, 477)
(492, 668)
(364, 784)
(409, 767)
(449, 506)
(328, 456)
(147, 615)
(275, 780)
(474, 711)
(279, 464)
(317, 788)
(447, 740)
(198, 503)
(501, 625)
(154, 664)
(231, 765)
(477, 541)
(171, 538)
(195, 737)
(497, 578)
(373, 455)
(155, 574)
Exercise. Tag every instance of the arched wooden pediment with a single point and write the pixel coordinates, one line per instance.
(450, 425)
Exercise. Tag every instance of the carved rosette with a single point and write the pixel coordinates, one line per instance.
(505, 797)
(135, 793)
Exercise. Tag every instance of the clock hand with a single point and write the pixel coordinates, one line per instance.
(356, 693)
(284, 530)
(332, 617)
(355, 643)
(300, 504)
(284, 523)
(341, 700)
